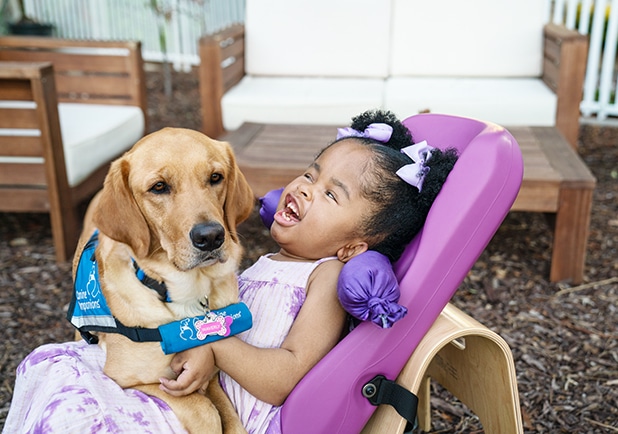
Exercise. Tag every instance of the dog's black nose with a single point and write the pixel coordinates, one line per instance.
(207, 236)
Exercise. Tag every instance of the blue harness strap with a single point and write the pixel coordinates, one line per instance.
(89, 312)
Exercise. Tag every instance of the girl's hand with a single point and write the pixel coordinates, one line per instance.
(194, 367)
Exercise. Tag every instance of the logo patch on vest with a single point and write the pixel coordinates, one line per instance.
(89, 309)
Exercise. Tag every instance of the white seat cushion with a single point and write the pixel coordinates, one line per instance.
(473, 38)
(342, 38)
(286, 100)
(506, 101)
(92, 134)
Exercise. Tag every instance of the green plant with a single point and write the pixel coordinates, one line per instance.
(16, 21)
(24, 18)
(165, 12)
(164, 15)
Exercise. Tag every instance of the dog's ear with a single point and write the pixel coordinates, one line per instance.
(240, 199)
(117, 214)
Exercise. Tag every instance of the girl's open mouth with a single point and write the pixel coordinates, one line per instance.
(289, 214)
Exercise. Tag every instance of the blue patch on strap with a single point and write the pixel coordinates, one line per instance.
(216, 324)
(89, 310)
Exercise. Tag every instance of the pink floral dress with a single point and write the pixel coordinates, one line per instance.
(274, 291)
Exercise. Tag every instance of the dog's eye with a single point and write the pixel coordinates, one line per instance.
(216, 178)
(160, 188)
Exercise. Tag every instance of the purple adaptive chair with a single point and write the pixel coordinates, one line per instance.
(469, 209)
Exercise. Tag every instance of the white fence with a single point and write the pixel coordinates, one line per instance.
(599, 19)
(185, 21)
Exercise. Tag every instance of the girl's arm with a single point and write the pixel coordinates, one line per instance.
(270, 374)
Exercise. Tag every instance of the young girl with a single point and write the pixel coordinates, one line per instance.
(362, 192)
(370, 189)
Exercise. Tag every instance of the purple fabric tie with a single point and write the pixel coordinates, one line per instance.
(268, 206)
(368, 289)
(378, 132)
(415, 173)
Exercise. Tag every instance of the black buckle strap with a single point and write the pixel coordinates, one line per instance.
(380, 390)
(138, 334)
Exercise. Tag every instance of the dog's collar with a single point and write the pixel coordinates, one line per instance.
(155, 285)
(161, 289)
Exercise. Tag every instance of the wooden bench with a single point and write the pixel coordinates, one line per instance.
(556, 180)
(67, 108)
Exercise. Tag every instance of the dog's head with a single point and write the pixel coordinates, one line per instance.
(176, 191)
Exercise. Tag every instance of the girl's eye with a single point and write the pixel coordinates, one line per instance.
(330, 195)
(160, 188)
(215, 178)
(308, 176)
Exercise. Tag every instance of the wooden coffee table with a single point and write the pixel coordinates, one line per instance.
(556, 180)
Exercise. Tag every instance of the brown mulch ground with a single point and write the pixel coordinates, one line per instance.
(564, 338)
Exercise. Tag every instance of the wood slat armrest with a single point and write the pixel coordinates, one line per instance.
(18, 70)
(222, 65)
(564, 69)
(36, 187)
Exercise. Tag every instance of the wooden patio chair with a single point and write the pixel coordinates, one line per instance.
(67, 109)
(434, 339)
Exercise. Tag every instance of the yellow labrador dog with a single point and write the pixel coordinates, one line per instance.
(170, 205)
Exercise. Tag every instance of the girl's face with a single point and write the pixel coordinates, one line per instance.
(320, 212)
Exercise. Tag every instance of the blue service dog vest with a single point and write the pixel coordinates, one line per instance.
(89, 312)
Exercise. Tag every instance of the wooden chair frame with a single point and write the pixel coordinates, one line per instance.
(469, 360)
(44, 72)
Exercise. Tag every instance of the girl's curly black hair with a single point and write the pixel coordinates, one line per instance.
(400, 209)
